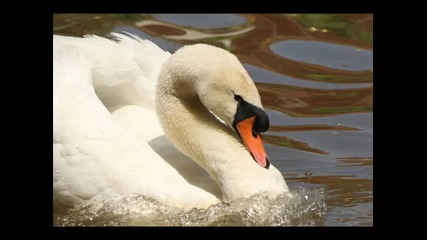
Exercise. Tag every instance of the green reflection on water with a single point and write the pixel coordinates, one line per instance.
(342, 109)
(98, 24)
(360, 78)
(335, 24)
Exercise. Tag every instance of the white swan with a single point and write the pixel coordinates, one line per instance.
(114, 103)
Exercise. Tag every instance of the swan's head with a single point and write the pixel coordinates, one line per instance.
(226, 90)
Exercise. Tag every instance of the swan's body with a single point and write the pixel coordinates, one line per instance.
(114, 103)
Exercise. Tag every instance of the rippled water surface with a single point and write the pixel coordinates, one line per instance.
(303, 207)
(314, 73)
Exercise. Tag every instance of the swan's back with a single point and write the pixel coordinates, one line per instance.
(124, 71)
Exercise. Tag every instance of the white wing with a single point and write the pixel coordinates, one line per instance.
(107, 138)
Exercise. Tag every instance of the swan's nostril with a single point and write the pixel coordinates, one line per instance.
(267, 161)
(254, 132)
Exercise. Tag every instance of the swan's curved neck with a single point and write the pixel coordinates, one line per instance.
(198, 134)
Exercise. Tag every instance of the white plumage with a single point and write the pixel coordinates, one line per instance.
(108, 139)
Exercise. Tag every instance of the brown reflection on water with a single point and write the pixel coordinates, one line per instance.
(284, 141)
(346, 191)
(164, 30)
(304, 102)
(342, 190)
(313, 127)
(150, 28)
(254, 48)
(350, 161)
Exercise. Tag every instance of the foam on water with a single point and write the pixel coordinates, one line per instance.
(303, 207)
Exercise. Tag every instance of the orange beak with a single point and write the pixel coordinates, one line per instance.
(253, 143)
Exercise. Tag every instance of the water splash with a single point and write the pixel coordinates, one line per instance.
(304, 207)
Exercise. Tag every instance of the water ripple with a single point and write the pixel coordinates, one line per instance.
(264, 76)
(330, 55)
(303, 207)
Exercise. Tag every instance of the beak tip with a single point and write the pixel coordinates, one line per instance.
(267, 163)
(253, 142)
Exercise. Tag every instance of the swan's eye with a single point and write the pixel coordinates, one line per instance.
(238, 98)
